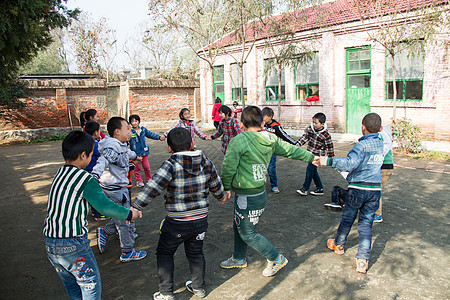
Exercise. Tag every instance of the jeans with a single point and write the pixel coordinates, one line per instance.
(338, 195)
(75, 264)
(122, 197)
(272, 170)
(366, 202)
(173, 233)
(145, 166)
(312, 174)
(247, 211)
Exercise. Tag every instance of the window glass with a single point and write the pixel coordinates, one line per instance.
(358, 81)
(218, 73)
(407, 66)
(413, 90)
(308, 71)
(219, 88)
(390, 88)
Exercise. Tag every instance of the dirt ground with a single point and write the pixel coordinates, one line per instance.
(408, 261)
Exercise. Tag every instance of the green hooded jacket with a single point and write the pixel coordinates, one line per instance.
(244, 167)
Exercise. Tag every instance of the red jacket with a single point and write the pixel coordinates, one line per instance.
(215, 112)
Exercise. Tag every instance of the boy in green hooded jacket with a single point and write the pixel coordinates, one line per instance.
(244, 171)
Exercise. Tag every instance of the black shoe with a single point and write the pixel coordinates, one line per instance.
(317, 192)
(333, 206)
(302, 192)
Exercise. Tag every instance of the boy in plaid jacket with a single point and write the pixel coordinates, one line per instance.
(320, 144)
(188, 176)
(229, 127)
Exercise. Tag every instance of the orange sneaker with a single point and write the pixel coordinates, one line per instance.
(338, 249)
(362, 265)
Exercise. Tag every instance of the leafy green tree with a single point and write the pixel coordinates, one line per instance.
(25, 28)
(47, 61)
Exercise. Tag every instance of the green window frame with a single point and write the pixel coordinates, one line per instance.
(219, 83)
(358, 68)
(271, 81)
(409, 70)
(306, 76)
(236, 84)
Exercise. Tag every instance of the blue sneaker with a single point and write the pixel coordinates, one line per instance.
(133, 255)
(378, 219)
(275, 190)
(102, 238)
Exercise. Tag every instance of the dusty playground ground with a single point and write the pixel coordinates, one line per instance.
(410, 255)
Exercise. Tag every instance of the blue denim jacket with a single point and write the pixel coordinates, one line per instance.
(138, 143)
(363, 162)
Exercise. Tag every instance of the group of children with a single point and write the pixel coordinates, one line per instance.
(250, 147)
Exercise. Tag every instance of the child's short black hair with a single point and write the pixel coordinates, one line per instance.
(225, 109)
(75, 143)
(267, 111)
(182, 112)
(235, 103)
(136, 117)
(321, 117)
(252, 116)
(179, 139)
(372, 122)
(113, 124)
(91, 126)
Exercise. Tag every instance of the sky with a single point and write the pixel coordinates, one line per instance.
(123, 16)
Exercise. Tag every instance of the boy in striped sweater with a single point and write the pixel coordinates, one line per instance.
(363, 163)
(188, 176)
(65, 227)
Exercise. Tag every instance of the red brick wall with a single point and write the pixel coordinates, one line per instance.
(159, 103)
(80, 100)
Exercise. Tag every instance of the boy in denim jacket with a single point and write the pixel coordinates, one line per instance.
(363, 163)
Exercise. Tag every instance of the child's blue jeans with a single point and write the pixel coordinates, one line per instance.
(75, 264)
(312, 174)
(114, 226)
(173, 233)
(366, 202)
(272, 170)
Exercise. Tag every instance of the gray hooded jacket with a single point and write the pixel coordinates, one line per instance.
(112, 166)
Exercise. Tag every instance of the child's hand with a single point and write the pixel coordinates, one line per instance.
(137, 160)
(136, 214)
(227, 196)
(208, 138)
(323, 161)
(316, 161)
(162, 138)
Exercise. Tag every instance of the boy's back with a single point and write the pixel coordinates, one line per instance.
(245, 165)
(188, 177)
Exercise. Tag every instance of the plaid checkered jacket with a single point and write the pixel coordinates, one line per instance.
(189, 176)
(191, 127)
(229, 129)
(319, 142)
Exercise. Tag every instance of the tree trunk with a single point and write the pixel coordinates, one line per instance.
(279, 93)
(241, 83)
(394, 87)
(213, 92)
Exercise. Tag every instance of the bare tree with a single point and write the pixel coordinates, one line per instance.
(200, 23)
(402, 26)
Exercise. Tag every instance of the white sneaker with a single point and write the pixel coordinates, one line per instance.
(274, 266)
(140, 184)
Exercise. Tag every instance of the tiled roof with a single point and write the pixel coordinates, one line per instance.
(333, 13)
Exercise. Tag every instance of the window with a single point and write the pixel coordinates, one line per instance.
(219, 83)
(408, 76)
(307, 78)
(272, 81)
(236, 82)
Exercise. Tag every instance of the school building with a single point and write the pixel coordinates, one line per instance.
(347, 76)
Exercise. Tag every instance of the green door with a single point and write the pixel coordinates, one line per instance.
(219, 89)
(357, 87)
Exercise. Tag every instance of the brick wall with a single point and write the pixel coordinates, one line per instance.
(59, 102)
